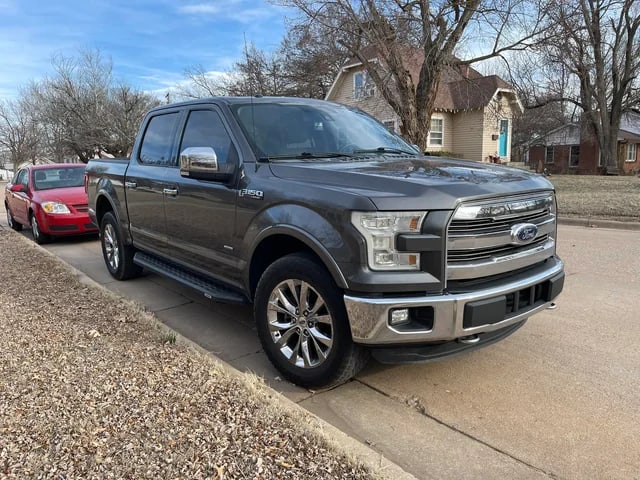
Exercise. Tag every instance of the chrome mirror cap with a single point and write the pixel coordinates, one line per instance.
(198, 160)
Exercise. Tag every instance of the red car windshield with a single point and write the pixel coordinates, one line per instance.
(46, 179)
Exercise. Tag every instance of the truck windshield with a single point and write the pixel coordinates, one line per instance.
(314, 131)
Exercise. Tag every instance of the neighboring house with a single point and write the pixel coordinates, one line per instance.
(572, 148)
(473, 113)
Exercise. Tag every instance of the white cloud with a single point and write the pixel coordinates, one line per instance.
(241, 11)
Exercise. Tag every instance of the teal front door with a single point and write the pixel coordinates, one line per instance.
(504, 138)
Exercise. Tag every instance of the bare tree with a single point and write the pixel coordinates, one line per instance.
(602, 50)
(81, 111)
(311, 60)
(201, 83)
(124, 111)
(19, 133)
(437, 29)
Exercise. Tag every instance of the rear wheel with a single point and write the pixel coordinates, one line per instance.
(117, 256)
(12, 221)
(39, 237)
(302, 324)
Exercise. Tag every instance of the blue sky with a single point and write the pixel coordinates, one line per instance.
(150, 42)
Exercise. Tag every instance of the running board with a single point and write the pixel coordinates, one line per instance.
(213, 291)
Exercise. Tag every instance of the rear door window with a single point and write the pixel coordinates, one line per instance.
(157, 143)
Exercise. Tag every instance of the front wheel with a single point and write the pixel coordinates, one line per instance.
(12, 221)
(39, 237)
(117, 256)
(302, 324)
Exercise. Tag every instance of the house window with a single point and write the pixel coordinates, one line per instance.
(574, 155)
(548, 154)
(363, 86)
(632, 149)
(390, 125)
(436, 134)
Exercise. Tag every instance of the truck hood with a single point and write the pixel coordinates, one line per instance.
(415, 183)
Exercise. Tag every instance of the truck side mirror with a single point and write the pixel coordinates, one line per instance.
(198, 160)
(17, 187)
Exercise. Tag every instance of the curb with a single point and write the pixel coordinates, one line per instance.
(380, 466)
(590, 222)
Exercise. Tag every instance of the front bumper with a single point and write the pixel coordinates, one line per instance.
(66, 224)
(454, 316)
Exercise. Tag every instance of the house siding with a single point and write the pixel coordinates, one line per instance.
(375, 105)
(448, 134)
(467, 135)
(497, 110)
(561, 140)
(631, 167)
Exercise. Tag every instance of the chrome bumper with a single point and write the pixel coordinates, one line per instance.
(369, 317)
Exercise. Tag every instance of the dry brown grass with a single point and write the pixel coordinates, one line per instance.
(613, 198)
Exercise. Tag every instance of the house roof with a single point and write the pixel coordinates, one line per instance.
(461, 86)
(630, 126)
(629, 131)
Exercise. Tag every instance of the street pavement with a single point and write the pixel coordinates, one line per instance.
(558, 399)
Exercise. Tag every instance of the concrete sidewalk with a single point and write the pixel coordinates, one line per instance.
(521, 409)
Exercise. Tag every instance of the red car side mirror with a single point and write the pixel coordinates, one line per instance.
(18, 187)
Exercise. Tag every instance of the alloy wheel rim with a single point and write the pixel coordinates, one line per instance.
(9, 219)
(111, 247)
(34, 228)
(300, 323)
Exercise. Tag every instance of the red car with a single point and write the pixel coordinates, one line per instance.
(51, 199)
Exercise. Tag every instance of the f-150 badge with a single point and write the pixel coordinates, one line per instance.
(255, 194)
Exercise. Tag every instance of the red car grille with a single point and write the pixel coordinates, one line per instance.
(82, 208)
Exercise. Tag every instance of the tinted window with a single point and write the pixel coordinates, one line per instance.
(157, 141)
(65, 177)
(21, 178)
(282, 129)
(205, 129)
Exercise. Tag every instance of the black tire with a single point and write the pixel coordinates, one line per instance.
(300, 278)
(39, 237)
(118, 257)
(12, 221)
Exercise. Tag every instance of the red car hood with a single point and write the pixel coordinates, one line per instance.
(68, 195)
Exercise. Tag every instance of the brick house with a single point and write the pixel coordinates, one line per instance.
(572, 148)
(473, 113)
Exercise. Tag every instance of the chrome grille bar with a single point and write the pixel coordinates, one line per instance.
(482, 240)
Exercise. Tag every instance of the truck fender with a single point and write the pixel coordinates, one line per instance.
(106, 193)
(304, 225)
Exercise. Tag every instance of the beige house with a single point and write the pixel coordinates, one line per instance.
(473, 113)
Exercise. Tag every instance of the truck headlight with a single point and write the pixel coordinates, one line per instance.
(380, 229)
(55, 207)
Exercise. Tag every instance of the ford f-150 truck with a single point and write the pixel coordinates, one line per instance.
(346, 239)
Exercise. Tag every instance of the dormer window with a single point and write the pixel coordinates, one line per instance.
(363, 86)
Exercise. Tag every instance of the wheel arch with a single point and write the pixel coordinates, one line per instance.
(276, 242)
(105, 204)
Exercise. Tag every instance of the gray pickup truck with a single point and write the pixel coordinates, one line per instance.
(347, 240)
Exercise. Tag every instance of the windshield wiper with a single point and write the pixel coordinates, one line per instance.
(304, 155)
(385, 150)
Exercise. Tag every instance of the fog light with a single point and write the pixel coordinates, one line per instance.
(399, 316)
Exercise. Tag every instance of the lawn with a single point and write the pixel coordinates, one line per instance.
(614, 198)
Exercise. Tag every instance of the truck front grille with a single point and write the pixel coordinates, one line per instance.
(498, 236)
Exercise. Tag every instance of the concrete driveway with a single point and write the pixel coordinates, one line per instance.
(558, 399)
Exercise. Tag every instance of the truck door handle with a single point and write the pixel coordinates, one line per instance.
(170, 191)
(130, 185)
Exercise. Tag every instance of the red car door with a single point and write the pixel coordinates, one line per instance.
(18, 201)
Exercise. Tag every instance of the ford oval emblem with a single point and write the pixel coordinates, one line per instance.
(523, 233)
